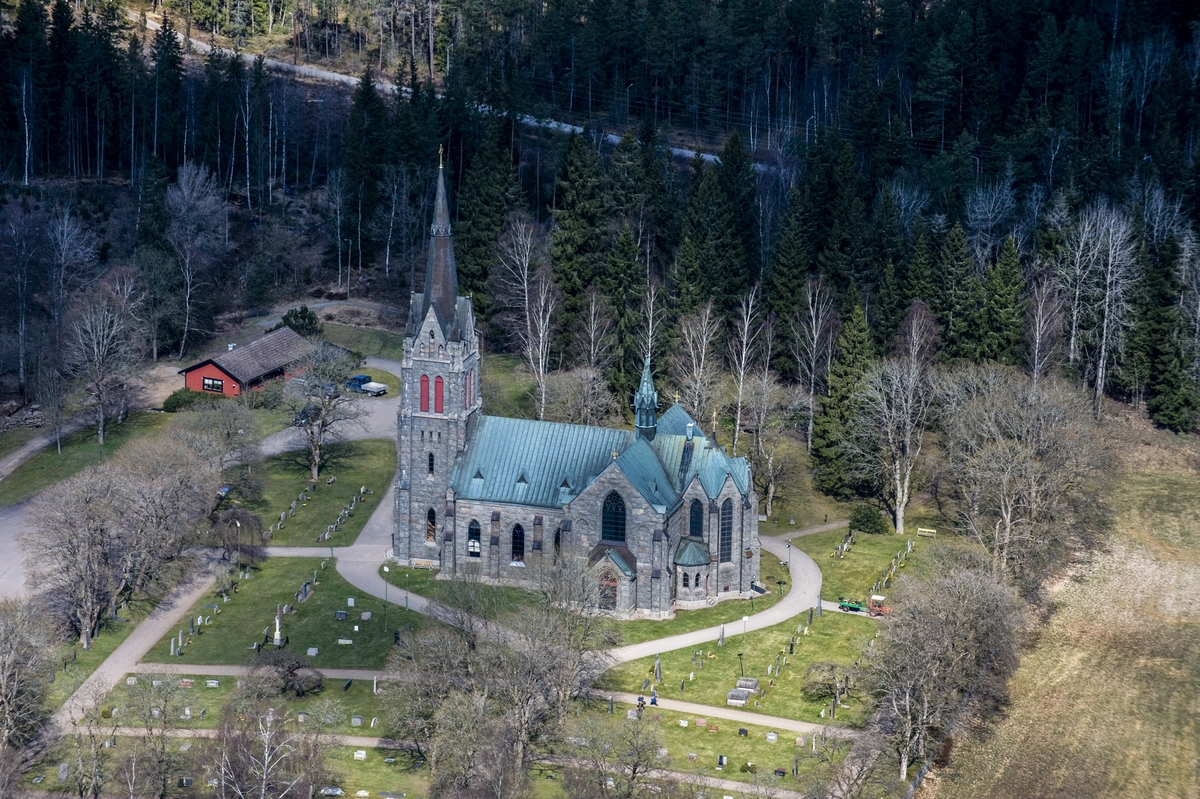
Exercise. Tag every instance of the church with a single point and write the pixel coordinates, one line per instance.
(664, 517)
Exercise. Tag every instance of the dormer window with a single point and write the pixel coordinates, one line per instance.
(431, 335)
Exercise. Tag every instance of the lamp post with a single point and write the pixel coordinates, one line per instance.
(406, 590)
(741, 664)
(744, 620)
(385, 599)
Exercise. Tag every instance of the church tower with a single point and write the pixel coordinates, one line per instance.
(645, 405)
(440, 397)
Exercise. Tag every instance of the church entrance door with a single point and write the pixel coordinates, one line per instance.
(608, 591)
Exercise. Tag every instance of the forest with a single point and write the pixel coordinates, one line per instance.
(1032, 181)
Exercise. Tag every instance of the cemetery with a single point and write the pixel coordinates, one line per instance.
(323, 513)
(234, 625)
(707, 675)
(205, 701)
(76, 664)
(856, 571)
(697, 747)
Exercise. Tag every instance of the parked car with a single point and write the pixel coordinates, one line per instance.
(362, 384)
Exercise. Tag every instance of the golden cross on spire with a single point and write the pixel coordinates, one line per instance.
(677, 396)
(439, 156)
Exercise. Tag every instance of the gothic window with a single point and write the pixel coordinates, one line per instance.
(466, 391)
(608, 590)
(696, 580)
(557, 542)
(696, 522)
(431, 463)
(473, 540)
(518, 544)
(431, 526)
(437, 395)
(727, 531)
(424, 393)
(685, 580)
(613, 522)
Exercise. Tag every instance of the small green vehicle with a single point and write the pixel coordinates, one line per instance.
(850, 605)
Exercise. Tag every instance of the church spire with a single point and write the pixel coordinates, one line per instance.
(645, 404)
(441, 277)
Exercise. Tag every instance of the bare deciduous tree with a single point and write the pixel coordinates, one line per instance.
(101, 350)
(525, 293)
(989, 213)
(397, 219)
(812, 328)
(695, 366)
(72, 262)
(1116, 275)
(1043, 328)
(337, 197)
(26, 666)
(195, 210)
(595, 341)
(320, 407)
(742, 344)
(580, 396)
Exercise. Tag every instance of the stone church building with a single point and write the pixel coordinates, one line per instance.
(664, 517)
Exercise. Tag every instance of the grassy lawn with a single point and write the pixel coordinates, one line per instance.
(833, 637)
(79, 451)
(505, 387)
(634, 632)
(853, 575)
(1105, 703)
(242, 620)
(380, 376)
(366, 340)
(355, 700)
(76, 664)
(720, 737)
(12, 440)
(354, 463)
(424, 582)
(272, 420)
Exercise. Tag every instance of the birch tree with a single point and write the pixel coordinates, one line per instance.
(812, 334)
(527, 296)
(195, 210)
(695, 365)
(1043, 329)
(1116, 278)
(26, 667)
(742, 343)
(101, 351)
(72, 261)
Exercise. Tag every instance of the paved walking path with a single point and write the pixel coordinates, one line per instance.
(730, 714)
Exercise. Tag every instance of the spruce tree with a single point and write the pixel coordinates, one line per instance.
(580, 223)
(852, 356)
(1158, 346)
(1002, 323)
(365, 143)
(489, 194)
(739, 185)
(167, 57)
(624, 182)
(889, 308)
(958, 297)
(623, 284)
(793, 259)
(710, 262)
(918, 272)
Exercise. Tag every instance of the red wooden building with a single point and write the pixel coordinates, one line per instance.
(247, 368)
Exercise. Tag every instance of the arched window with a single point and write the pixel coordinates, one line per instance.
(696, 522)
(608, 590)
(518, 544)
(696, 580)
(437, 395)
(612, 526)
(727, 531)
(468, 390)
(473, 539)
(557, 542)
(431, 463)
(431, 526)
(424, 393)
(685, 580)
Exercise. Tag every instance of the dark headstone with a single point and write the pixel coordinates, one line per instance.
(346, 685)
(743, 732)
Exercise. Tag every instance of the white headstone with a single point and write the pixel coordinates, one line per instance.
(350, 602)
(312, 651)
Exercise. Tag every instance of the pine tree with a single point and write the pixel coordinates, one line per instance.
(580, 223)
(853, 353)
(889, 308)
(1158, 344)
(365, 143)
(489, 194)
(167, 84)
(710, 260)
(958, 298)
(624, 182)
(1002, 324)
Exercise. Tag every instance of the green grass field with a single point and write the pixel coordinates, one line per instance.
(424, 582)
(354, 463)
(853, 575)
(80, 450)
(251, 610)
(834, 637)
(635, 632)
(12, 440)
(76, 664)
(367, 341)
(505, 387)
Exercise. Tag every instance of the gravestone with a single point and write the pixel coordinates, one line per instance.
(749, 683)
(662, 753)
(131, 680)
(339, 615)
(345, 641)
(356, 721)
(312, 651)
(738, 697)
(683, 722)
(772, 737)
(691, 758)
(186, 682)
(646, 685)
(185, 782)
(207, 620)
(366, 615)
(721, 761)
(302, 717)
(213, 683)
(631, 714)
(156, 683)
(360, 754)
(743, 732)
(185, 747)
(187, 714)
(346, 685)
(374, 721)
(350, 602)
(779, 772)
(701, 722)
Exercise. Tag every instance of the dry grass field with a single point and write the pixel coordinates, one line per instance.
(1107, 701)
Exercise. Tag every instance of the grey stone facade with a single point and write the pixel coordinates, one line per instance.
(499, 497)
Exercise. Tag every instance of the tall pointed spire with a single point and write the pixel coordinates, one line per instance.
(441, 276)
(645, 404)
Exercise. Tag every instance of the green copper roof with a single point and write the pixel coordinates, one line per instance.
(692, 552)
